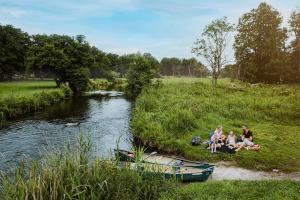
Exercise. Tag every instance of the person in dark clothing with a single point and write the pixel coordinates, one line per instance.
(247, 134)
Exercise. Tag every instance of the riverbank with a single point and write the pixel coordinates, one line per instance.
(22, 97)
(168, 116)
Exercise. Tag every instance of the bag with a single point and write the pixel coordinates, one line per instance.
(196, 140)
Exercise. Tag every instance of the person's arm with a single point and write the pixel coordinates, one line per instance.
(250, 138)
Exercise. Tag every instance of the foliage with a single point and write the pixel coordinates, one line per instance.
(242, 190)
(169, 116)
(182, 67)
(212, 45)
(140, 73)
(20, 98)
(260, 46)
(71, 174)
(295, 45)
(13, 45)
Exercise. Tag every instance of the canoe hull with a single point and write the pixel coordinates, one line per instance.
(123, 155)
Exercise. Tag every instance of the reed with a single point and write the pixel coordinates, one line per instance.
(72, 174)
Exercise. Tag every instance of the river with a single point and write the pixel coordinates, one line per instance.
(103, 115)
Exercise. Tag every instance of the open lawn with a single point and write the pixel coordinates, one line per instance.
(25, 88)
(20, 97)
(168, 116)
(242, 190)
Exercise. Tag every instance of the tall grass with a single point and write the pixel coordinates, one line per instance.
(169, 116)
(72, 174)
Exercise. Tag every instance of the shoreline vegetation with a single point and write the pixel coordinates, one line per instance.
(72, 172)
(19, 98)
(168, 115)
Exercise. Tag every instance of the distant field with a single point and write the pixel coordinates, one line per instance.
(25, 88)
(169, 116)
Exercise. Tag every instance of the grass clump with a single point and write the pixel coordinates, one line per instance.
(167, 118)
(20, 98)
(242, 190)
(72, 174)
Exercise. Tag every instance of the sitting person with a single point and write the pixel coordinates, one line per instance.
(231, 140)
(247, 134)
(216, 138)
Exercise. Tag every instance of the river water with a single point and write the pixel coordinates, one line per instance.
(103, 115)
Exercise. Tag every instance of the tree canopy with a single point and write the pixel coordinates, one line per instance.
(212, 45)
(260, 46)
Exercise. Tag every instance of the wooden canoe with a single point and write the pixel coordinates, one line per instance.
(124, 155)
(185, 174)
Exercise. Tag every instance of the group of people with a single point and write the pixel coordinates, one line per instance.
(232, 142)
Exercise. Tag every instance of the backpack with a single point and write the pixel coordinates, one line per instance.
(196, 140)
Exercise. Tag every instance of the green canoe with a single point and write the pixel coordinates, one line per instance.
(185, 174)
(124, 155)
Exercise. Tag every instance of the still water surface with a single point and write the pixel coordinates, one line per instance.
(104, 116)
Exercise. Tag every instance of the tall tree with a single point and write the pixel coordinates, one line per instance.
(13, 46)
(260, 46)
(295, 54)
(212, 44)
(140, 73)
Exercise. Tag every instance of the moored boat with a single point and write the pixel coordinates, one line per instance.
(185, 174)
(124, 155)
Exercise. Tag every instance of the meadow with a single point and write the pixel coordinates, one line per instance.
(21, 97)
(167, 116)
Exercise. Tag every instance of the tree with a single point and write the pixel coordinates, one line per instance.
(295, 44)
(13, 46)
(140, 73)
(211, 46)
(67, 58)
(260, 46)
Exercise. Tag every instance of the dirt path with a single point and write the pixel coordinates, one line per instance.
(225, 172)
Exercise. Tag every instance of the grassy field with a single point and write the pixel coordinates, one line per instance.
(21, 97)
(25, 88)
(168, 116)
(242, 190)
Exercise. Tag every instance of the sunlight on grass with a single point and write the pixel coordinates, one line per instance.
(168, 117)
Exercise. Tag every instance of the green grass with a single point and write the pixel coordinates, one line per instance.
(25, 88)
(70, 173)
(21, 97)
(168, 116)
(242, 190)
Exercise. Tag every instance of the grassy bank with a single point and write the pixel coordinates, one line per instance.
(168, 116)
(242, 190)
(71, 174)
(21, 97)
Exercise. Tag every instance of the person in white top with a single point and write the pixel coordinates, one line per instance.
(231, 140)
(216, 138)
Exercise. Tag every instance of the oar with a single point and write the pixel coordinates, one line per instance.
(151, 154)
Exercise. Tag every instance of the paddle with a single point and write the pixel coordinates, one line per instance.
(151, 154)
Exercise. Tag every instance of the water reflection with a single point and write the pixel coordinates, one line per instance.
(104, 118)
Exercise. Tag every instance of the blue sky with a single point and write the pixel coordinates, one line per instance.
(165, 28)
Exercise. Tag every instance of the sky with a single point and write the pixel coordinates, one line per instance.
(164, 28)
